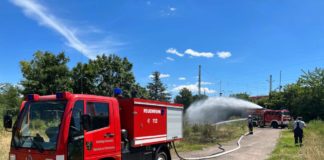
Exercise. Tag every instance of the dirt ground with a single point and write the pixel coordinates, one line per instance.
(253, 147)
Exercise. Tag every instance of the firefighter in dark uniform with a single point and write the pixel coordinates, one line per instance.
(298, 131)
(250, 124)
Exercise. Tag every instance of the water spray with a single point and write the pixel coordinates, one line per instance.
(216, 109)
(229, 121)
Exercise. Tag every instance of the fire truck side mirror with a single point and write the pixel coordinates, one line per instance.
(86, 121)
(7, 121)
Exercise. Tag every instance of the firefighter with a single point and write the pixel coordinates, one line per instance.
(250, 124)
(298, 130)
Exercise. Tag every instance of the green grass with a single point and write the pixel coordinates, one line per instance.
(313, 148)
(285, 148)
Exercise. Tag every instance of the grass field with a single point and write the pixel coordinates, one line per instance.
(313, 148)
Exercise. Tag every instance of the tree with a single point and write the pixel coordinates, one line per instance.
(9, 98)
(310, 94)
(262, 101)
(101, 75)
(140, 92)
(156, 89)
(83, 76)
(46, 73)
(185, 97)
(243, 96)
(199, 97)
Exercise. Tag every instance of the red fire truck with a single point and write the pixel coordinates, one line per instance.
(272, 118)
(70, 126)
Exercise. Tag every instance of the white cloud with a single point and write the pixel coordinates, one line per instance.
(224, 54)
(172, 9)
(174, 51)
(170, 59)
(199, 54)
(194, 88)
(164, 75)
(44, 17)
(182, 78)
(206, 83)
(161, 75)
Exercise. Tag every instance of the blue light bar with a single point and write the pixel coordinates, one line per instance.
(59, 95)
(118, 91)
(63, 95)
(32, 97)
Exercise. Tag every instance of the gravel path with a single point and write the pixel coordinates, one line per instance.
(253, 147)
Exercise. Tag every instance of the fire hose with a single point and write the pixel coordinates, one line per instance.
(213, 155)
(223, 152)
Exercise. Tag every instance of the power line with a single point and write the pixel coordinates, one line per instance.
(220, 88)
(280, 86)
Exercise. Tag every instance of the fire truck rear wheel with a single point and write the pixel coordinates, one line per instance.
(161, 156)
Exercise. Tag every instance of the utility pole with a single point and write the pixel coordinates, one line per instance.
(280, 86)
(199, 81)
(270, 85)
(220, 89)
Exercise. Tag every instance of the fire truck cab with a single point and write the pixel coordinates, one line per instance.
(70, 126)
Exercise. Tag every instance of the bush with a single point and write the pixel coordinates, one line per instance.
(198, 136)
(207, 133)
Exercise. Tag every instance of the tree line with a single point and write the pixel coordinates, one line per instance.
(48, 73)
(303, 98)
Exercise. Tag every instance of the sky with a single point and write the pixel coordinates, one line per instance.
(239, 44)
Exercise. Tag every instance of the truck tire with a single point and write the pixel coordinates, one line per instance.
(161, 155)
(274, 125)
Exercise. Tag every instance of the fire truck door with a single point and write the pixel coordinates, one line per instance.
(99, 140)
(75, 140)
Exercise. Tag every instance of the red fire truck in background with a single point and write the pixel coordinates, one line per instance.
(70, 126)
(272, 118)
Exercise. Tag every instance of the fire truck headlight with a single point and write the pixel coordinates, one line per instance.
(12, 157)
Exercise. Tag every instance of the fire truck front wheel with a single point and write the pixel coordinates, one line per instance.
(274, 125)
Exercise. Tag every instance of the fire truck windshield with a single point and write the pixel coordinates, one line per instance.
(38, 125)
(286, 113)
